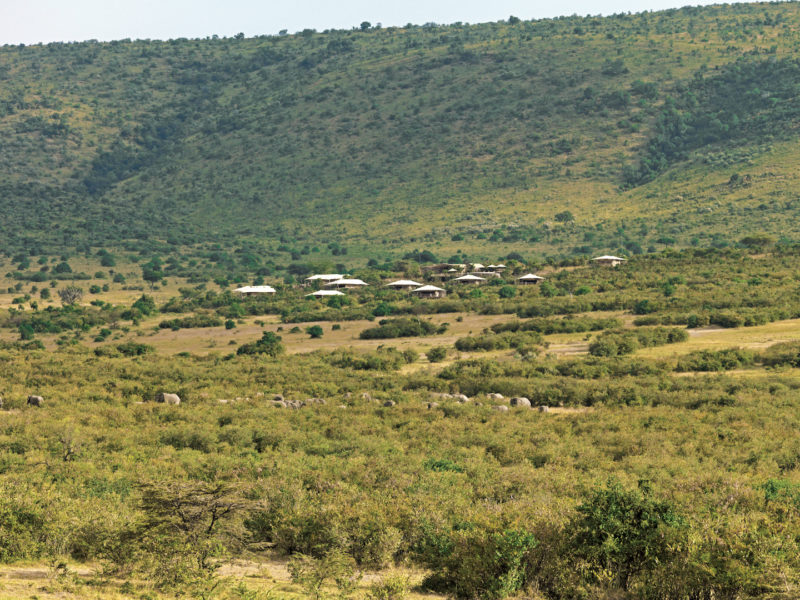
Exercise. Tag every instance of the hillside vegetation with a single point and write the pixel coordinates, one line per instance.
(626, 133)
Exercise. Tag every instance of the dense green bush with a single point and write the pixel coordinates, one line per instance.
(716, 360)
(621, 341)
(191, 322)
(269, 344)
(519, 340)
(403, 327)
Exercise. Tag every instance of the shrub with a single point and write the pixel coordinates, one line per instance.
(403, 327)
(783, 354)
(436, 354)
(507, 291)
(269, 344)
(624, 532)
(478, 563)
(520, 340)
(716, 360)
(621, 341)
(315, 331)
(195, 321)
(389, 587)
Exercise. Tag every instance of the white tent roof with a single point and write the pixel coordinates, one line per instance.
(428, 288)
(346, 282)
(607, 257)
(403, 283)
(325, 277)
(325, 293)
(477, 266)
(256, 289)
(469, 278)
(530, 277)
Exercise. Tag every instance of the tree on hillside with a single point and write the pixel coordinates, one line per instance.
(152, 271)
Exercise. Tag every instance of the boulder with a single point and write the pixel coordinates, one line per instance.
(500, 408)
(35, 401)
(294, 404)
(389, 403)
(496, 396)
(432, 405)
(173, 399)
(315, 401)
(521, 401)
(278, 398)
(278, 404)
(462, 398)
(544, 408)
(366, 396)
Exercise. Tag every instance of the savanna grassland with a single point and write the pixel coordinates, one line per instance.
(344, 460)
(609, 433)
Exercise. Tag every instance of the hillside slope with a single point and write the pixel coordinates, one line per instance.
(555, 136)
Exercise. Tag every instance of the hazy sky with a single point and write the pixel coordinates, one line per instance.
(32, 21)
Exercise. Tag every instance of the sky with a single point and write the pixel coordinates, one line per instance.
(34, 21)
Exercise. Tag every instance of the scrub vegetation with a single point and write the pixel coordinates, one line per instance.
(668, 475)
(625, 433)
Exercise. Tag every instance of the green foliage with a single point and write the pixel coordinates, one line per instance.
(716, 360)
(269, 344)
(313, 573)
(403, 327)
(782, 354)
(507, 291)
(483, 564)
(315, 331)
(436, 354)
(158, 152)
(389, 587)
(745, 101)
(563, 325)
(191, 322)
(622, 533)
(521, 340)
(618, 342)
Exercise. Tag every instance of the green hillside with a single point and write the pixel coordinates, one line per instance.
(555, 137)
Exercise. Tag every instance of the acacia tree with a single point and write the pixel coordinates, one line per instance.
(70, 295)
(186, 527)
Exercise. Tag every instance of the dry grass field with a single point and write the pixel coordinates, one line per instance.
(258, 578)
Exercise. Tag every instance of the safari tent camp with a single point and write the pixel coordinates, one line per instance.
(255, 290)
(345, 283)
(429, 291)
(608, 261)
(529, 279)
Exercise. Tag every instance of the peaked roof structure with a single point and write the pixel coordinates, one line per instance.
(469, 278)
(403, 283)
(607, 257)
(345, 283)
(325, 293)
(325, 277)
(255, 289)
